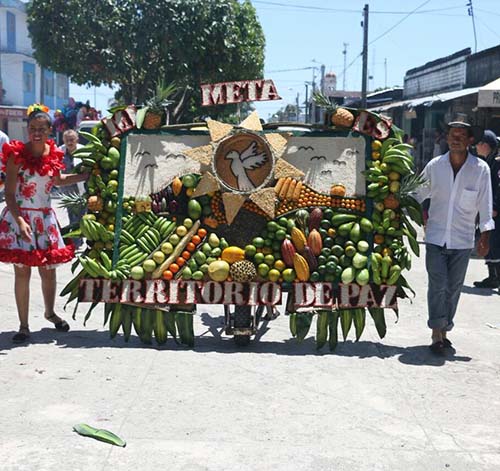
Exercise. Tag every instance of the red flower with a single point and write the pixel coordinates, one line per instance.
(6, 242)
(53, 233)
(38, 224)
(4, 226)
(28, 190)
(48, 186)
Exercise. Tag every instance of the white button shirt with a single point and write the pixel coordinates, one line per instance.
(456, 201)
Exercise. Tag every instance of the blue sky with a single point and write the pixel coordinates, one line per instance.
(308, 33)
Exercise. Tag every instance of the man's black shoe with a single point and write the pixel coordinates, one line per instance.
(487, 283)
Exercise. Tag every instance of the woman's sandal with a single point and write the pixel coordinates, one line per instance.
(60, 324)
(447, 342)
(437, 348)
(22, 335)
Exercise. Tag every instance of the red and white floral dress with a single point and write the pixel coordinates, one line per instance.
(34, 182)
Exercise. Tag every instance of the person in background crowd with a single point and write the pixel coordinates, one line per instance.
(81, 115)
(487, 148)
(458, 185)
(70, 139)
(3, 138)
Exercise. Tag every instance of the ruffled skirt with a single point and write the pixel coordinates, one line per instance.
(47, 247)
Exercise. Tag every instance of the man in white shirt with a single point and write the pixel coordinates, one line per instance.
(458, 185)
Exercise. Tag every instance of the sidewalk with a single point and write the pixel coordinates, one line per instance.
(276, 405)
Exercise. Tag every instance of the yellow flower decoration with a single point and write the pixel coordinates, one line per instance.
(37, 107)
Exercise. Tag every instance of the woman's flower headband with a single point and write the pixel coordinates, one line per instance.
(37, 107)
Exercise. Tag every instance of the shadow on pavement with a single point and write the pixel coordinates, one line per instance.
(479, 291)
(212, 341)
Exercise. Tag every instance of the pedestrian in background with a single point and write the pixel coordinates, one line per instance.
(487, 148)
(29, 231)
(70, 139)
(458, 185)
(3, 138)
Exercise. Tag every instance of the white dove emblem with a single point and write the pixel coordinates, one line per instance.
(247, 160)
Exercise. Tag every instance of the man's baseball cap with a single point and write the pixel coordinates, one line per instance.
(490, 138)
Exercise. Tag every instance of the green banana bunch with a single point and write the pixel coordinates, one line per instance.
(95, 231)
(93, 267)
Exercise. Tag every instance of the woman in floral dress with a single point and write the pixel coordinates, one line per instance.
(29, 231)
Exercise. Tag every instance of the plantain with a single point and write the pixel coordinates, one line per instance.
(304, 320)
(127, 321)
(137, 321)
(147, 325)
(116, 320)
(333, 321)
(359, 318)
(169, 320)
(293, 324)
(321, 329)
(159, 328)
(345, 322)
(378, 317)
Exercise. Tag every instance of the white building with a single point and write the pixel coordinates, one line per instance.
(22, 81)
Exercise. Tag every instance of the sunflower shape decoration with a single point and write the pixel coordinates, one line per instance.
(243, 163)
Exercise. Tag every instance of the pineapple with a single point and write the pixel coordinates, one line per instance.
(73, 202)
(342, 117)
(156, 106)
(337, 115)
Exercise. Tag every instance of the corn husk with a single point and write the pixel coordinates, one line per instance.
(285, 169)
(252, 122)
(207, 184)
(278, 142)
(202, 154)
(218, 130)
(266, 200)
(232, 205)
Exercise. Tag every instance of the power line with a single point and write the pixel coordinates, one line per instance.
(344, 10)
(487, 27)
(289, 70)
(398, 23)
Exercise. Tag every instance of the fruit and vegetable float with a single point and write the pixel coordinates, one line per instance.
(317, 217)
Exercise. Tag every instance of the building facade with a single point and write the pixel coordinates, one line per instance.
(22, 81)
(442, 90)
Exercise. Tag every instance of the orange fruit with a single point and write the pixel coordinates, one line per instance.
(174, 268)
(180, 261)
(167, 275)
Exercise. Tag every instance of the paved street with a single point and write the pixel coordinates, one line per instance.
(276, 405)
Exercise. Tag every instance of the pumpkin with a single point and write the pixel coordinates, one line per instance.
(338, 190)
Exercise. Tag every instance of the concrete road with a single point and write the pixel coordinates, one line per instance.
(276, 405)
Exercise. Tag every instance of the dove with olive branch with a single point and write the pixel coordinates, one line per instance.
(249, 159)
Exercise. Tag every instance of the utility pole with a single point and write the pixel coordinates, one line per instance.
(385, 72)
(313, 91)
(298, 106)
(322, 79)
(365, 56)
(345, 65)
(307, 104)
(470, 11)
